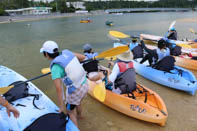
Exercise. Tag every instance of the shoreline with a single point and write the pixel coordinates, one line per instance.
(24, 18)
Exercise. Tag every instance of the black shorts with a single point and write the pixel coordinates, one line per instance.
(70, 107)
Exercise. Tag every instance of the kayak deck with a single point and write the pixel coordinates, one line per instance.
(28, 112)
(146, 106)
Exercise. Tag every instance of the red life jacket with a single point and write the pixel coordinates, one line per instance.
(124, 66)
(126, 80)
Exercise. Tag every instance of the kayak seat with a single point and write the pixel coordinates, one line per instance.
(49, 122)
(166, 64)
(131, 95)
(20, 91)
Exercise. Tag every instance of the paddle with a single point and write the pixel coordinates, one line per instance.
(115, 35)
(3, 90)
(118, 34)
(121, 35)
(105, 54)
(170, 27)
(99, 91)
(113, 52)
(192, 31)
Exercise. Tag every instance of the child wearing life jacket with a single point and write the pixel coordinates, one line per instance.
(123, 74)
(92, 67)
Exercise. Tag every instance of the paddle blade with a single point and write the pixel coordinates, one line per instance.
(184, 45)
(45, 70)
(172, 25)
(100, 92)
(113, 52)
(192, 30)
(118, 34)
(113, 38)
(3, 90)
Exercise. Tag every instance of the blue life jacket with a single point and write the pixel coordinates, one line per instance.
(133, 45)
(90, 55)
(161, 54)
(74, 72)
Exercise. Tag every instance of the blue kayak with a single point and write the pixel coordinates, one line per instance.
(184, 80)
(30, 109)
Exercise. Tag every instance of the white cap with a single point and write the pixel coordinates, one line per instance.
(49, 47)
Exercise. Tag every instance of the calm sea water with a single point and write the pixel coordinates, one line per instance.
(20, 45)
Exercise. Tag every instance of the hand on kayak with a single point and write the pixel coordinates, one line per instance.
(10, 108)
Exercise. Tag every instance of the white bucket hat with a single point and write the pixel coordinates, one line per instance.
(126, 56)
(49, 47)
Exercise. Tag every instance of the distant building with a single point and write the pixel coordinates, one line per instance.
(98, 0)
(76, 5)
(30, 11)
(42, 0)
(123, 0)
(81, 11)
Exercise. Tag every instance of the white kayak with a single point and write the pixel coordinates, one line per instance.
(29, 109)
(155, 38)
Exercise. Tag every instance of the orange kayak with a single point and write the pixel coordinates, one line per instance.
(147, 105)
(193, 44)
(85, 21)
(186, 63)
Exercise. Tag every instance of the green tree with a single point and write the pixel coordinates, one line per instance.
(2, 12)
(62, 6)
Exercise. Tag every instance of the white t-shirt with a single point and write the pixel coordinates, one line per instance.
(115, 73)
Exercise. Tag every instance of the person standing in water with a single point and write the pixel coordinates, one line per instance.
(66, 68)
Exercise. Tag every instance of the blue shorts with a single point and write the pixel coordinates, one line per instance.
(70, 107)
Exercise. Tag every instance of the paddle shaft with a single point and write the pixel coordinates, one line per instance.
(33, 78)
(88, 60)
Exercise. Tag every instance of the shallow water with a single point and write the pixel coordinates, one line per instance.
(20, 45)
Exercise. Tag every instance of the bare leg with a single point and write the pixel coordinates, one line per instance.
(79, 110)
(73, 116)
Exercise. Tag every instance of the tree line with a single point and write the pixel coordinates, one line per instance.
(60, 5)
